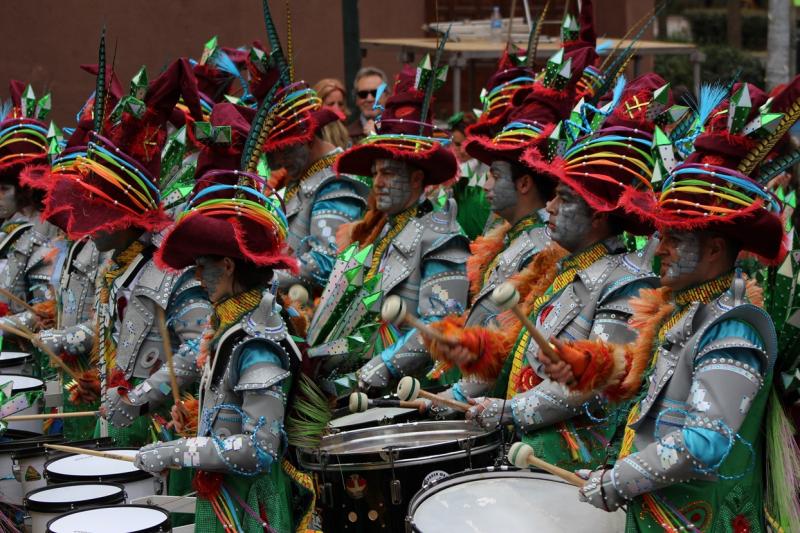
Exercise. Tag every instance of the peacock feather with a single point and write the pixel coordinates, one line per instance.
(100, 88)
(275, 44)
(533, 39)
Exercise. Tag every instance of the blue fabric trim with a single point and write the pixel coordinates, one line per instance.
(387, 355)
(706, 445)
(348, 206)
(458, 394)
(257, 353)
(433, 267)
(733, 328)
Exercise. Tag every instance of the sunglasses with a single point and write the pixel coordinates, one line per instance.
(365, 94)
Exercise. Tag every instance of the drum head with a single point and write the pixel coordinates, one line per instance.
(13, 358)
(488, 501)
(68, 496)
(22, 383)
(411, 444)
(372, 417)
(112, 519)
(79, 467)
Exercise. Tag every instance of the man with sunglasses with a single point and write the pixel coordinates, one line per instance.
(366, 84)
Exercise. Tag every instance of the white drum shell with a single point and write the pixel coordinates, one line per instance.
(519, 501)
(15, 363)
(10, 488)
(25, 382)
(89, 468)
(110, 519)
(36, 462)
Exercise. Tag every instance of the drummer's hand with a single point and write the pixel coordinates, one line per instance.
(453, 352)
(489, 412)
(599, 490)
(120, 412)
(374, 375)
(559, 371)
(156, 457)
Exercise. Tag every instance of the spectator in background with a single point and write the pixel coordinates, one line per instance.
(332, 93)
(365, 86)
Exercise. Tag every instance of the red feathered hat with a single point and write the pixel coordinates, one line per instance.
(228, 216)
(114, 179)
(402, 135)
(600, 168)
(23, 135)
(642, 100)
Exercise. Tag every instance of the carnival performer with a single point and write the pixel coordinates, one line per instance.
(26, 249)
(588, 294)
(141, 311)
(236, 238)
(700, 373)
(402, 247)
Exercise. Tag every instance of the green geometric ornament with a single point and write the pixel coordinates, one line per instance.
(556, 143)
(139, 84)
(553, 67)
(665, 157)
(28, 101)
(659, 102)
(208, 50)
(739, 109)
(55, 138)
(569, 28)
(43, 107)
(671, 115)
(130, 105)
(208, 134)
(762, 125)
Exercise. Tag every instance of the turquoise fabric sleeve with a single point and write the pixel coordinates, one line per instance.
(706, 445)
(733, 328)
(350, 207)
(257, 353)
(434, 266)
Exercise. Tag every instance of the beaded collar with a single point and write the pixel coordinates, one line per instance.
(294, 187)
(229, 311)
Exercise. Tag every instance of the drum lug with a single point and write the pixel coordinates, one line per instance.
(16, 471)
(397, 492)
(327, 493)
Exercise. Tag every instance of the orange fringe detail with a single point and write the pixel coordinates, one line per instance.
(492, 346)
(304, 314)
(185, 417)
(205, 346)
(483, 251)
(86, 389)
(594, 363)
(51, 255)
(363, 231)
(46, 310)
(754, 292)
(278, 178)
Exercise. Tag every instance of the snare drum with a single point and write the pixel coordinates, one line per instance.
(26, 384)
(112, 519)
(86, 468)
(12, 441)
(377, 416)
(15, 363)
(47, 503)
(506, 499)
(368, 476)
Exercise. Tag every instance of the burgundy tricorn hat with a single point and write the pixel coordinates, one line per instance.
(402, 135)
(23, 134)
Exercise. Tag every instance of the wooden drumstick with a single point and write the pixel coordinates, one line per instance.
(46, 416)
(19, 301)
(394, 310)
(409, 389)
(521, 455)
(97, 453)
(173, 381)
(359, 403)
(506, 297)
(54, 359)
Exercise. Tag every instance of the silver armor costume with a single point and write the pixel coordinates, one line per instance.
(140, 292)
(315, 209)
(243, 398)
(424, 265)
(708, 371)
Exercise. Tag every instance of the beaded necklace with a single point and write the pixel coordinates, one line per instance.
(524, 225)
(703, 293)
(569, 267)
(293, 188)
(398, 224)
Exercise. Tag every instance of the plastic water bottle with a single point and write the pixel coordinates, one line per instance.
(496, 24)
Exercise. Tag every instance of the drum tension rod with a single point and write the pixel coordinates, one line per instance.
(466, 444)
(396, 488)
(327, 486)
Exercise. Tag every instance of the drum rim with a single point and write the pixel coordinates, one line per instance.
(126, 477)
(25, 389)
(33, 451)
(37, 447)
(373, 423)
(5, 363)
(10, 446)
(166, 525)
(378, 460)
(63, 507)
(454, 479)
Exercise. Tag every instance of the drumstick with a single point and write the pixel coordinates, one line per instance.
(409, 389)
(173, 381)
(54, 359)
(97, 453)
(521, 455)
(506, 297)
(394, 310)
(45, 416)
(359, 403)
(17, 300)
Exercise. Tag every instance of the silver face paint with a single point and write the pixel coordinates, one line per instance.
(573, 220)
(211, 274)
(393, 189)
(503, 194)
(687, 250)
(8, 200)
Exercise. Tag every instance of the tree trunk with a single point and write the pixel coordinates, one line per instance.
(778, 42)
(735, 23)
